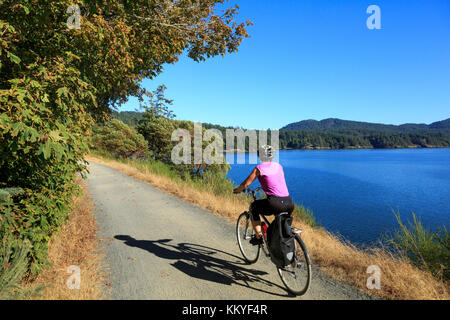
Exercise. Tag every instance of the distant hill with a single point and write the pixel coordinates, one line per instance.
(441, 125)
(338, 125)
(341, 134)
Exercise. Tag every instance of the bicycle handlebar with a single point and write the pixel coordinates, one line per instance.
(248, 190)
(253, 192)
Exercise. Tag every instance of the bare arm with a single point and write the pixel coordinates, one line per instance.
(247, 182)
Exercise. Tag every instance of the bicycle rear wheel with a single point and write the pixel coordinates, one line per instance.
(297, 276)
(244, 232)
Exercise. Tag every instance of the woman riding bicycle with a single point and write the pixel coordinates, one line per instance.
(271, 177)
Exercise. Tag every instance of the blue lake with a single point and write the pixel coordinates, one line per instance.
(353, 193)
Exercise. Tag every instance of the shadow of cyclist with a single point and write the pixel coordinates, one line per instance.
(202, 262)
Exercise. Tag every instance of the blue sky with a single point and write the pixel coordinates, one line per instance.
(317, 60)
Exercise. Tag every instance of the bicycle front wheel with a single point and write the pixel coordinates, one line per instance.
(297, 276)
(244, 232)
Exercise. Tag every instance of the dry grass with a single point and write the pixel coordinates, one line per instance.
(340, 260)
(75, 244)
(343, 261)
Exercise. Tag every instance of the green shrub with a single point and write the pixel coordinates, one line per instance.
(305, 215)
(427, 250)
(119, 140)
(214, 181)
(161, 168)
(13, 267)
(43, 125)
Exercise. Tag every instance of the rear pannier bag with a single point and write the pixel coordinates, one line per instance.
(280, 239)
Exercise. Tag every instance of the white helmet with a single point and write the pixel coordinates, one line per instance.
(266, 153)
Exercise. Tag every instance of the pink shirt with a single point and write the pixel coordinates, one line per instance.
(272, 180)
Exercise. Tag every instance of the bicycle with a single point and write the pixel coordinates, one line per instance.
(297, 275)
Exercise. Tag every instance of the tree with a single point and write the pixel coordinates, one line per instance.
(119, 139)
(119, 43)
(156, 125)
(54, 81)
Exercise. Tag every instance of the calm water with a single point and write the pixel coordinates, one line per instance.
(353, 192)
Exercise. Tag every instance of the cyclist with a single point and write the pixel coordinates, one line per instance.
(271, 177)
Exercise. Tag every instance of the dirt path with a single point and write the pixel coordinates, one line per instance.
(160, 247)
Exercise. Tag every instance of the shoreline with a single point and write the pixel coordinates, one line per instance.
(348, 148)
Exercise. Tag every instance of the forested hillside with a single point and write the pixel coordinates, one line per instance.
(342, 134)
(338, 125)
(338, 134)
(302, 139)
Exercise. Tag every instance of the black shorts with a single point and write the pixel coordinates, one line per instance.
(270, 206)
